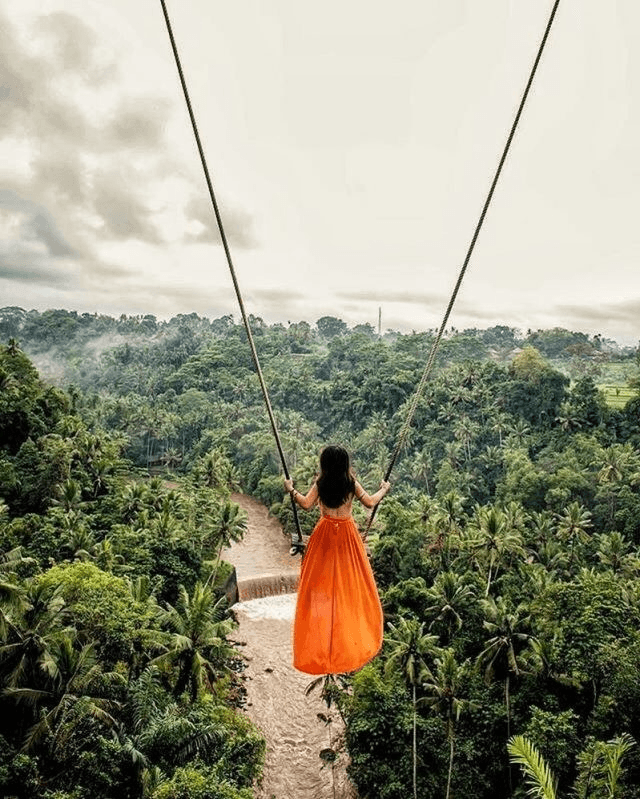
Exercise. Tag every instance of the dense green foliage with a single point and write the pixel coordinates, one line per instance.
(117, 679)
(507, 555)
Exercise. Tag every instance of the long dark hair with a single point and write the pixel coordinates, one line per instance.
(336, 481)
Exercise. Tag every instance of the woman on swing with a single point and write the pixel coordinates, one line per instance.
(338, 623)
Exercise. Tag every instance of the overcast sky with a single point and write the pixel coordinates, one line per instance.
(351, 143)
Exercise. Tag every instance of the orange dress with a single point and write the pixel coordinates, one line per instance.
(338, 624)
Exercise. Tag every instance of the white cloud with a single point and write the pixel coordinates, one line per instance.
(87, 157)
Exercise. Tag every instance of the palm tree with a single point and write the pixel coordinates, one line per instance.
(74, 686)
(101, 469)
(519, 434)
(573, 525)
(446, 521)
(77, 538)
(542, 525)
(600, 768)
(155, 640)
(34, 634)
(614, 553)
(230, 525)
(12, 598)
(133, 500)
(198, 644)
(615, 465)
(155, 494)
(540, 657)
(166, 526)
(460, 395)
(213, 470)
(552, 556)
(108, 558)
(465, 430)
(568, 418)
(409, 646)
(171, 458)
(69, 495)
(157, 723)
(449, 596)
(500, 424)
(444, 685)
(494, 538)
(451, 510)
(334, 688)
(452, 451)
(492, 457)
(379, 425)
(506, 628)
(515, 516)
(422, 468)
(447, 413)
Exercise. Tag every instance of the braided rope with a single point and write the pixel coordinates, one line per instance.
(432, 355)
(297, 546)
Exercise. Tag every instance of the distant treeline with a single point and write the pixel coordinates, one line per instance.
(44, 329)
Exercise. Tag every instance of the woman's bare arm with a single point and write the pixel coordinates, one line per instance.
(371, 500)
(305, 501)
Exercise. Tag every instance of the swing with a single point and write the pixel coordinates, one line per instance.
(330, 664)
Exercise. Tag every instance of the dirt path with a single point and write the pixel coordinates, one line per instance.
(276, 701)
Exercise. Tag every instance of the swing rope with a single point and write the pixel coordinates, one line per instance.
(427, 370)
(296, 546)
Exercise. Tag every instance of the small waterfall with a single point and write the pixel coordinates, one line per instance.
(268, 585)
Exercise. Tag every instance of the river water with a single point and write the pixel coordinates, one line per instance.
(276, 700)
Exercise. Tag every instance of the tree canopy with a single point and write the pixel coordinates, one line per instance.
(507, 555)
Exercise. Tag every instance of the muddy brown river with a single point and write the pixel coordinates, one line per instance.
(276, 700)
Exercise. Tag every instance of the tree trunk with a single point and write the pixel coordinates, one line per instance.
(214, 573)
(451, 750)
(508, 705)
(612, 508)
(571, 552)
(415, 749)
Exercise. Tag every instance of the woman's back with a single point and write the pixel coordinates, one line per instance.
(341, 512)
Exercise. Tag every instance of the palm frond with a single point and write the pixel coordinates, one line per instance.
(30, 696)
(541, 782)
(615, 751)
(181, 643)
(137, 757)
(36, 733)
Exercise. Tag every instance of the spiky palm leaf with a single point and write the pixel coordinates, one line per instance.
(540, 780)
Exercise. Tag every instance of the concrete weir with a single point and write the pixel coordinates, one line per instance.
(268, 585)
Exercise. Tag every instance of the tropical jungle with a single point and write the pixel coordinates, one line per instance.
(507, 554)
